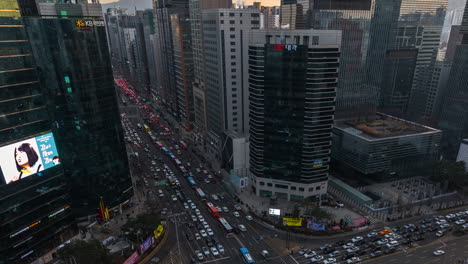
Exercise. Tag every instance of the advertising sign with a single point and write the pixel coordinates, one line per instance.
(146, 244)
(133, 258)
(158, 231)
(318, 163)
(272, 211)
(292, 221)
(317, 226)
(28, 157)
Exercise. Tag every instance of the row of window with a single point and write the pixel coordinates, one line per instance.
(292, 188)
(240, 14)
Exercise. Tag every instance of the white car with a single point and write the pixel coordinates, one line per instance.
(392, 243)
(250, 218)
(439, 233)
(334, 253)
(219, 208)
(439, 252)
(353, 260)
(214, 251)
(450, 216)
(206, 251)
(317, 258)
(215, 197)
(197, 211)
(225, 209)
(329, 261)
(460, 222)
(310, 254)
(201, 218)
(242, 228)
(236, 214)
(382, 241)
(203, 233)
(348, 245)
(197, 236)
(220, 248)
(193, 206)
(210, 232)
(440, 222)
(356, 239)
(372, 234)
(465, 226)
(186, 206)
(205, 224)
(194, 218)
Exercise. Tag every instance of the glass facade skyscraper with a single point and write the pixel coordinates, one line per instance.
(292, 86)
(35, 212)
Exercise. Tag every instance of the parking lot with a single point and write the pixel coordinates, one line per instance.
(379, 243)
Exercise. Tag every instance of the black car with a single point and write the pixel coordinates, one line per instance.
(189, 236)
(418, 238)
(328, 250)
(348, 256)
(215, 240)
(432, 229)
(360, 242)
(360, 252)
(236, 230)
(340, 243)
(389, 250)
(208, 242)
(376, 254)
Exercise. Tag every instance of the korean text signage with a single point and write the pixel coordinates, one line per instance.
(28, 157)
(89, 23)
(292, 221)
(288, 47)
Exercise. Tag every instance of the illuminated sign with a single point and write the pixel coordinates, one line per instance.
(318, 163)
(24, 229)
(292, 221)
(289, 47)
(89, 23)
(28, 157)
(272, 211)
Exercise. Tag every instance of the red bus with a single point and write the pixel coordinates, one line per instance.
(183, 144)
(212, 209)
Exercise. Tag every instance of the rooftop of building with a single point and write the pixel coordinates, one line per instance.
(383, 126)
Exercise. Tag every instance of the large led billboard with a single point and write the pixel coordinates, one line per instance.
(28, 157)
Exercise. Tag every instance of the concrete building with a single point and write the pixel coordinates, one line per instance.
(199, 90)
(463, 153)
(384, 147)
(293, 75)
(225, 40)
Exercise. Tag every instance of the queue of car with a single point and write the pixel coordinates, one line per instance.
(386, 241)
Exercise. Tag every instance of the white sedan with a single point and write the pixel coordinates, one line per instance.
(439, 252)
(203, 233)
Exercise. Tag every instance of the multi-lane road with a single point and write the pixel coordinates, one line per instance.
(178, 249)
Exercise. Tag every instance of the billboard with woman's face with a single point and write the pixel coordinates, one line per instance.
(28, 157)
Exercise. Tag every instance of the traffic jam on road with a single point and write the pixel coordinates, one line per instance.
(212, 225)
(380, 243)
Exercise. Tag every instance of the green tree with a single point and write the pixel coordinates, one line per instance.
(86, 252)
(450, 174)
(137, 229)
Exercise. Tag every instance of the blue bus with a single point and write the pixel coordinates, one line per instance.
(246, 256)
(165, 150)
(192, 182)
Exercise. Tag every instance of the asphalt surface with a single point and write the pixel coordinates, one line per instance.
(258, 237)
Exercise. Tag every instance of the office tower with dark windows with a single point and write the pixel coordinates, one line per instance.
(396, 27)
(199, 90)
(35, 210)
(294, 14)
(454, 113)
(293, 75)
(354, 96)
(183, 67)
(225, 36)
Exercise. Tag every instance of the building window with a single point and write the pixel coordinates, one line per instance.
(234, 125)
(233, 63)
(233, 50)
(221, 14)
(233, 76)
(231, 14)
(281, 186)
(301, 189)
(293, 188)
(234, 119)
(234, 95)
(241, 20)
(233, 43)
(234, 113)
(232, 29)
(269, 184)
(233, 70)
(306, 40)
(234, 108)
(317, 188)
(232, 22)
(233, 56)
(255, 14)
(255, 22)
(315, 40)
(296, 197)
(233, 83)
(222, 21)
(311, 189)
(262, 183)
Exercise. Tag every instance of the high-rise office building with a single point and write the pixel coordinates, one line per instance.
(183, 66)
(270, 18)
(354, 96)
(199, 90)
(293, 14)
(225, 40)
(70, 49)
(35, 212)
(454, 112)
(402, 25)
(292, 92)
